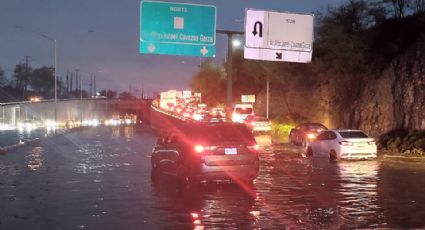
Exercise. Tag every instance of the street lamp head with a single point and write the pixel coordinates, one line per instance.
(236, 43)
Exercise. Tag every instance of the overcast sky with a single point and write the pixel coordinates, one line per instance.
(101, 37)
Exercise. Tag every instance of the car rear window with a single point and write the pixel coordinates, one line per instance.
(316, 127)
(243, 110)
(220, 134)
(260, 119)
(355, 134)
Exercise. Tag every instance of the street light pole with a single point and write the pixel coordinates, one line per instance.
(55, 64)
(56, 82)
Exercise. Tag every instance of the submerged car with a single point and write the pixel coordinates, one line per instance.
(207, 152)
(305, 132)
(342, 144)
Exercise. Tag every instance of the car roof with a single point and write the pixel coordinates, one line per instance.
(347, 130)
(257, 117)
(209, 124)
(311, 123)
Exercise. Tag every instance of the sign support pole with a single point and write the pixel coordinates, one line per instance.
(229, 69)
(268, 92)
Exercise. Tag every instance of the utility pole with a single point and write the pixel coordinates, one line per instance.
(72, 78)
(268, 99)
(67, 81)
(94, 83)
(91, 85)
(81, 88)
(76, 79)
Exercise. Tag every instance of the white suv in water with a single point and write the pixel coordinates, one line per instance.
(342, 144)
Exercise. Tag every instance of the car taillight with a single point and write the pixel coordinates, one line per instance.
(253, 147)
(202, 149)
(199, 148)
(311, 135)
(345, 143)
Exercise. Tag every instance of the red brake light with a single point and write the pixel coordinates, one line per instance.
(253, 147)
(199, 148)
(311, 135)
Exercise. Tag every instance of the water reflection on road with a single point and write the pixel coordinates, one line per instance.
(293, 192)
(100, 179)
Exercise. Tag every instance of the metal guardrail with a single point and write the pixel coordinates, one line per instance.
(51, 100)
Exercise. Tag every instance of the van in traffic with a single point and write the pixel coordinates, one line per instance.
(241, 112)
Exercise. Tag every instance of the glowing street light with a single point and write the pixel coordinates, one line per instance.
(236, 43)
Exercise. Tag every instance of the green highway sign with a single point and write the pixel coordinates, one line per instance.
(177, 29)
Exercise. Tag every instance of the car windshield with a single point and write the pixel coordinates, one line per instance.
(221, 133)
(353, 134)
(243, 110)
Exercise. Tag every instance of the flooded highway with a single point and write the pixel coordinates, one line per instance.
(100, 179)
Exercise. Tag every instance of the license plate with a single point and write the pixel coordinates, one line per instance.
(230, 151)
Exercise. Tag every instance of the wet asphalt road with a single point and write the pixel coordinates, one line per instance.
(100, 179)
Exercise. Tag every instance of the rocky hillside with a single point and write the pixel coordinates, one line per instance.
(375, 101)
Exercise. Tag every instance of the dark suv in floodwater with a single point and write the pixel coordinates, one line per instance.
(198, 152)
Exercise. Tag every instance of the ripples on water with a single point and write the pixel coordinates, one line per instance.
(35, 159)
(290, 193)
(108, 178)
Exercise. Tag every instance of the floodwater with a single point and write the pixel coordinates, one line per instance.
(12, 137)
(100, 179)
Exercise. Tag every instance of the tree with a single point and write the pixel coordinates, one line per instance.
(399, 6)
(418, 6)
(126, 96)
(211, 82)
(109, 94)
(22, 75)
(43, 81)
(3, 80)
(342, 39)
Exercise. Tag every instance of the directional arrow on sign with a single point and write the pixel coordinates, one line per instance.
(204, 50)
(151, 48)
(260, 30)
(279, 56)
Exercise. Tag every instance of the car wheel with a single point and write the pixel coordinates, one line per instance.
(309, 152)
(333, 156)
(303, 143)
